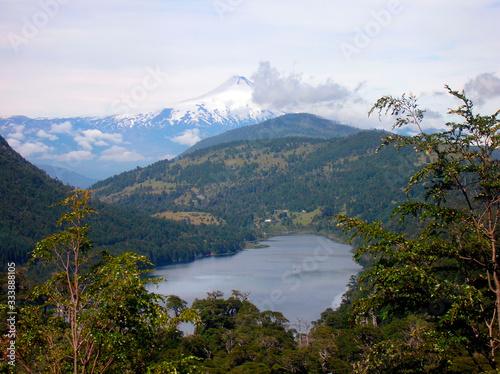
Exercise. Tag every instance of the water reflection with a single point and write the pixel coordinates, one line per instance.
(298, 275)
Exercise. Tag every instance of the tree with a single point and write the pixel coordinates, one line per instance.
(97, 315)
(449, 267)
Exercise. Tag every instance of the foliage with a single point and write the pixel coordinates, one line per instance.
(449, 272)
(161, 241)
(97, 315)
(25, 194)
(244, 183)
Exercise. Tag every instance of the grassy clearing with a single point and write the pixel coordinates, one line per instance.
(196, 218)
(303, 218)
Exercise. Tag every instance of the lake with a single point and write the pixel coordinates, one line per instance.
(299, 275)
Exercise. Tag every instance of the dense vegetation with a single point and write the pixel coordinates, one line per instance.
(286, 126)
(295, 182)
(428, 300)
(94, 315)
(26, 194)
(450, 270)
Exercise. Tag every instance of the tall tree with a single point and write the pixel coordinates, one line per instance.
(97, 315)
(450, 270)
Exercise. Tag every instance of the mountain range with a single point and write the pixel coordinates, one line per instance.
(286, 183)
(288, 125)
(99, 147)
(212, 200)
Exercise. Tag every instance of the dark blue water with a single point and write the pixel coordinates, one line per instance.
(298, 275)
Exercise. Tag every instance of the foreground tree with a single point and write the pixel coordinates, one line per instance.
(449, 271)
(97, 315)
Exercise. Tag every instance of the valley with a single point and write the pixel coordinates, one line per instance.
(292, 183)
(255, 298)
(249, 187)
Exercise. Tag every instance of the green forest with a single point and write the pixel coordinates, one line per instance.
(422, 212)
(26, 217)
(244, 183)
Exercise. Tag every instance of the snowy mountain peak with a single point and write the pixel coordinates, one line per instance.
(235, 80)
(236, 85)
(229, 103)
(136, 138)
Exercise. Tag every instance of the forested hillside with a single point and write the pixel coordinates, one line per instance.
(26, 193)
(288, 125)
(26, 216)
(293, 183)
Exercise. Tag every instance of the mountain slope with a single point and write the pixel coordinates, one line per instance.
(289, 181)
(26, 217)
(288, 125)
(26, 194)
(68, 176)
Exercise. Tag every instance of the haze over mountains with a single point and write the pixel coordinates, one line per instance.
(214, 199)
(99, 147)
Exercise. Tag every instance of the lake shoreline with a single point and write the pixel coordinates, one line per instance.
(300, 277)
(256, 244)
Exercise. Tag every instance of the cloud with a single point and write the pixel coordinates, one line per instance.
(483, 87)
(116, 153)
(272, 89)
(46, 135)
(189, 137)
(63, 128)
(13, 142)
(73, 156)
(432, 114)
(90, 138)
(18, 132)
(29, 148)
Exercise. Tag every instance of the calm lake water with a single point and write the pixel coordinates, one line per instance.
(298, 275)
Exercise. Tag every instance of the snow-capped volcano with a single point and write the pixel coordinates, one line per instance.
(235, 89)
(102, 146)
(229, 104)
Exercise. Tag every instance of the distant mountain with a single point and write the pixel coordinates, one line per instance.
(68, 176)
(228, 105)
(287, 125)
(291, 183)
(103, 146)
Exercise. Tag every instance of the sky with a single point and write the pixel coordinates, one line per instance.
(65, 58)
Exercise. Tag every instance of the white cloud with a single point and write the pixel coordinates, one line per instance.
(63, 128)
(13, 142)
(286, 92)
(90, 138)
(46, 135)
(74, 156)
(29, 148)
(18, 132)
(121, 154)
(189, 137)
(483, 87)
